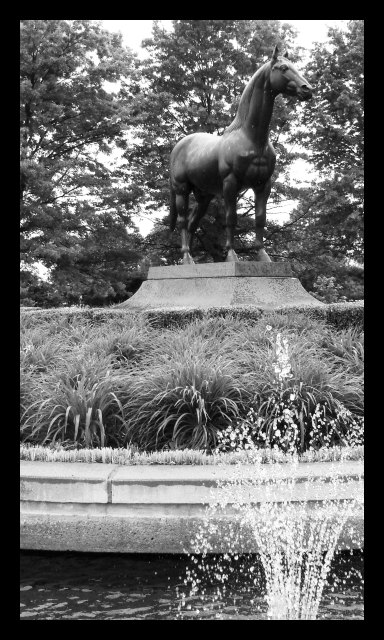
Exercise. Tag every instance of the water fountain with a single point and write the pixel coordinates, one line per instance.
(296, 542)
(266, 549)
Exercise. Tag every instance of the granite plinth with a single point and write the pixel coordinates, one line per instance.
(222, 270)
(222, 284)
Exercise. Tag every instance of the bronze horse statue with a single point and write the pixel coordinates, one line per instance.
(241, 158)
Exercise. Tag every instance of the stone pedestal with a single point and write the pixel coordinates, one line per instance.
(265, 285)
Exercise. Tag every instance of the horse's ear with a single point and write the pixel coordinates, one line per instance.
(275, 54)
(286, 54)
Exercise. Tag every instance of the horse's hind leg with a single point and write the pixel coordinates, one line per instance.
(202, 203)
(182, 211)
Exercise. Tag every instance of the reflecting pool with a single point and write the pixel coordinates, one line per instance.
(70, 586)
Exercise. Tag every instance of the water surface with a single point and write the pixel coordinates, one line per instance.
(68, 586)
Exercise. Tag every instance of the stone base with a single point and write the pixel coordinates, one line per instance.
(265, 285)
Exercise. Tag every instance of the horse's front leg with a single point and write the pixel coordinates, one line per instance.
(230, 189)
(261, 197)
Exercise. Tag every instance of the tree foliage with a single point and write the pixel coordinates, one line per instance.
(70, 194)
(325, 232)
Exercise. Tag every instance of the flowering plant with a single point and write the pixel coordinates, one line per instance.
(291, 417)
(237, 437)
(282, 365)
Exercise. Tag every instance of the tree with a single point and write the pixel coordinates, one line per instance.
(69, 124)
(335, 120)
(192, 81)
(325, 234)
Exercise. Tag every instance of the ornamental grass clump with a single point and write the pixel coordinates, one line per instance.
(79, 407)
(182, 406)
(346, 348)
(39, 352)
(125, 344)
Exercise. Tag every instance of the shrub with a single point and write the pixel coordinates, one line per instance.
(340, 314)
(343, 315)
(326, 289)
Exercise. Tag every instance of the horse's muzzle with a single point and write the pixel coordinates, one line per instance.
(304, 92)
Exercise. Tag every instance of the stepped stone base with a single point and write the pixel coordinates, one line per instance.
(265, 285)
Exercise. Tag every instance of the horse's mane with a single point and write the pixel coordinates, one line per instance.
(243, 108)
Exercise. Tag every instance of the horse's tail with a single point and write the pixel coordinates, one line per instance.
(173, 210)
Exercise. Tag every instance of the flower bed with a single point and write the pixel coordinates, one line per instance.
(230, 382)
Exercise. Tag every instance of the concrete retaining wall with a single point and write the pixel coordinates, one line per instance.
(157, 509)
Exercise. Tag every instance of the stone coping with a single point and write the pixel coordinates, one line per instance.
(155, 508)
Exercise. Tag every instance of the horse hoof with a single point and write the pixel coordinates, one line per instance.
(232, 256)
(262, 256)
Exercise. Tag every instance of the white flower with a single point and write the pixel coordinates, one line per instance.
(268, 327)
(282, 365)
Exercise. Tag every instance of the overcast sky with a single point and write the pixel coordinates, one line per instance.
(134, 31)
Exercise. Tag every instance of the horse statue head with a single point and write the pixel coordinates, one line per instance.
(285, 78)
